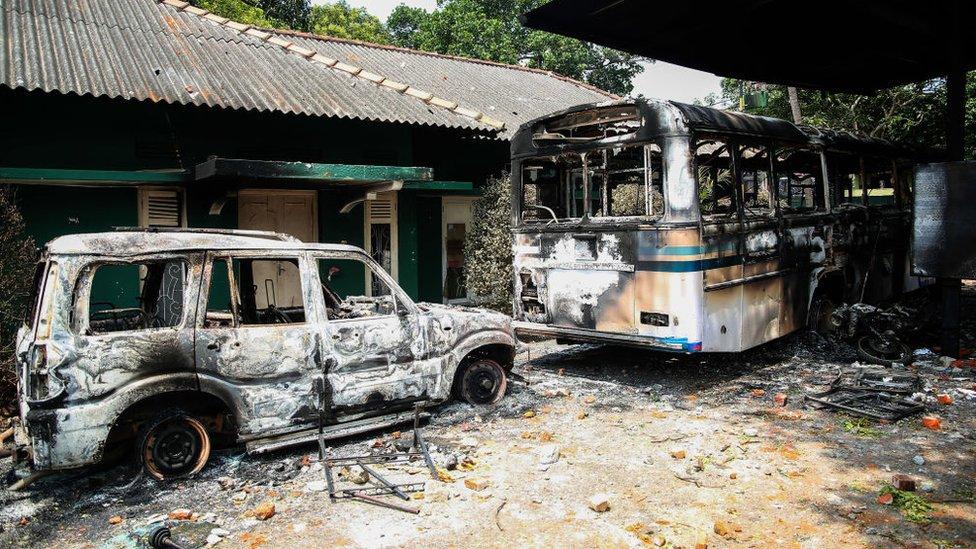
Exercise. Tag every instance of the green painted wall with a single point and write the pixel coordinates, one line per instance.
(339, 228)
(429, 260)
(44, 130)
(50, 212)
(407, 243)
(54, 211)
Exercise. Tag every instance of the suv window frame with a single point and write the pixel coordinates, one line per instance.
(409, 307)
(229, 255)
(81, 316)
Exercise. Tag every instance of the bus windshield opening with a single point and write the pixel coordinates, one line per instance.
(623, 181)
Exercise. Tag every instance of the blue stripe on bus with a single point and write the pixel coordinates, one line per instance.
(686, 250)
(688, 266)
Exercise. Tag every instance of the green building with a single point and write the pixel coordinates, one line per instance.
(155, 113)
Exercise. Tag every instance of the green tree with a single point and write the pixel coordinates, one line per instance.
(17, 256)
(341, 20)
(292, 14)
(912, 114)
(403, 24)
(488, 258)
(237, 10)
(490, 30)
(280, 14)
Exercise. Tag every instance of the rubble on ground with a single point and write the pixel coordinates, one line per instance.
(621, 447)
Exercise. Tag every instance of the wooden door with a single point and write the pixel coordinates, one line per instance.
(284, 211)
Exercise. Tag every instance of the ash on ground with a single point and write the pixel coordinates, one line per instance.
(593, 445)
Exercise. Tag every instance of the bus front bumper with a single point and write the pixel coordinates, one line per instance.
(583, 335)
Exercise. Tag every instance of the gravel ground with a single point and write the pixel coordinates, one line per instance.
(685, 451)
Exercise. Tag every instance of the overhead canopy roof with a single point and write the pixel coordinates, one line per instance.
(335, 174)
(836, 45)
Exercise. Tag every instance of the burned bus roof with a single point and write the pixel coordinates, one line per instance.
(139, 242)
(660, 117)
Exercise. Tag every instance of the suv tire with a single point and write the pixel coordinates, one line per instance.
(173, 445)
(482, 381)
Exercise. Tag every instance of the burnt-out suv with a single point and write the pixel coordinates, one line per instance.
(175, 339)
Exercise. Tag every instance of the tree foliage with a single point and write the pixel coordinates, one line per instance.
(237, 10)
(280, 14)
(341, 20)
(912, 114)
(488, 244)
(17, 256)
(291, 14)
(482, 29)
(490, 30)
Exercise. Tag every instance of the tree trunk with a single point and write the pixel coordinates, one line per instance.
(794, 104)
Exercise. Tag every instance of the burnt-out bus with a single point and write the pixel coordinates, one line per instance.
(686, 228)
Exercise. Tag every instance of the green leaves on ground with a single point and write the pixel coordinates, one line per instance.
(913, 506)
(861, 427)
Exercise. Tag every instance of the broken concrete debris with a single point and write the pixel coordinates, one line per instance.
(476, 483)
(264, 510)
(599, 503)
(354, 474)
(904, 483)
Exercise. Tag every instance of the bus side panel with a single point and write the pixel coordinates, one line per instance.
(723, 320)
(762, 302)
(669, 286)
(721, 264)
(804, 251)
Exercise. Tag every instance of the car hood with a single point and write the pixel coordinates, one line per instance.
(464, 321)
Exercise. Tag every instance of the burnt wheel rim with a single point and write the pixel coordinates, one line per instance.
(883, 350)
(482, 383)
(176, 448)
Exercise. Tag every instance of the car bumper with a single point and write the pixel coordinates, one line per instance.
(63, 438)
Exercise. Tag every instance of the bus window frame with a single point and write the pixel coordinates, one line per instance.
(822, 187)
(566, 180)
(731, 143)
(773, 209)
(867, 181)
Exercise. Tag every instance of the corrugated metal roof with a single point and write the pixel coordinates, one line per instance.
(144, 50)
(512, 94)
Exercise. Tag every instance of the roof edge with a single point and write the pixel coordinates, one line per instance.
(271, 37)
(551, 74)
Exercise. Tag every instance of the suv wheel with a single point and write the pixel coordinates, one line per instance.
(173, 445)
(483, 381)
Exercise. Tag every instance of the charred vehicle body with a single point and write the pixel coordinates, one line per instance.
(685, 228)
(173, 338)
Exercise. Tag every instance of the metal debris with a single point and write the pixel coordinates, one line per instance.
(866, 403)
(383, 486)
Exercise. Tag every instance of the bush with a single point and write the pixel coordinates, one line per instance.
(488, 247)
(17, 256)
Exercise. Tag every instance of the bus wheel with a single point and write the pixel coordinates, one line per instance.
(821, 312)
(482, 382)
(884, 351)
(173, 445)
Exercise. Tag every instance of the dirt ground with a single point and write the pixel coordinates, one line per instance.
(688, 451)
